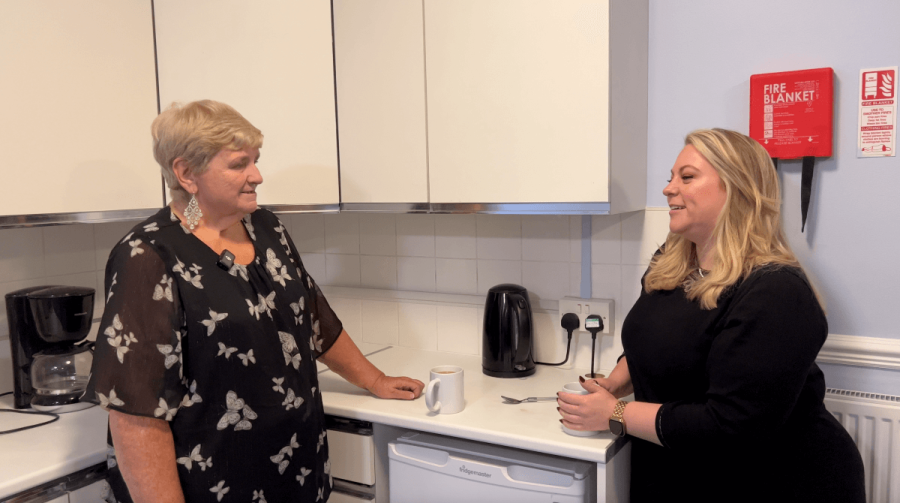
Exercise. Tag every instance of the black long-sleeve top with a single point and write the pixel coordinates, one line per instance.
(742, 416)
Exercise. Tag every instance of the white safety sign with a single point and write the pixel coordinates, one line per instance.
(877, 112)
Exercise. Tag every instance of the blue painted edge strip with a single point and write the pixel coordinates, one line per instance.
(586, 256)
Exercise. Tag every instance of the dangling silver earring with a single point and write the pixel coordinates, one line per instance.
(192, 213)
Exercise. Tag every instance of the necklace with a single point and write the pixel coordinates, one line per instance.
(701, 272)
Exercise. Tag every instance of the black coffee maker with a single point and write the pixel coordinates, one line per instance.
(50, 369)
(508, 338)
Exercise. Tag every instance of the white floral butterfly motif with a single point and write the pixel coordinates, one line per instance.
(303, 473)
(220, 490)
(205, 464)
(288, 450)
(266, 304)
(172, 217)
(277, 387)
(135, 247)
(291, 400)
(112, 400)
(117, 340)
(163, 289)
(283, 239)
(191, 397)
(249, 226)
(288, 346)
(315, 344)
(239, 269)
(214, 318)
(259, 495)
(186, 273)
(297, 307)
(151, 227)
(188, 461)
(223, 350)
(315, 327)
(327, 470)
(309, 282)
(313, 391)
(127, 237)
(273, 264)
(233, 415)
(248, 358)
(164, 410)
(111, 285)
(321, 441)
(321, 494)
(173, 355)
(253, 309)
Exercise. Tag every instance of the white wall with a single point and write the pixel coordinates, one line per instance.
(702, 53)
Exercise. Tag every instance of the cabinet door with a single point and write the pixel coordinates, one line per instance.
(517, 100)
(78, 90)
(273, 62)
(380, 71)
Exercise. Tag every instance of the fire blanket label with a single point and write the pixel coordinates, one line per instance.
(877, 112)
(791, 113)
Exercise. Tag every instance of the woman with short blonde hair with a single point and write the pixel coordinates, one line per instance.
(720, 350)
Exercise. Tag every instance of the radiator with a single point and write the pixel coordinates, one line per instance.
(873, 420)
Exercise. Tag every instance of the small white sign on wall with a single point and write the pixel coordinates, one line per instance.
(877, 112)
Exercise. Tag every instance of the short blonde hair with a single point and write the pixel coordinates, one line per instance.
(748, 232)
(196, 132)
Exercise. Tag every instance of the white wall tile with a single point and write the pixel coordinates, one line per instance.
(495, 272)
(574, 280)
(458, 329)
(342, 270)
(547, 280)
(546, 238)
(377, 234)
(416, 274)
(21, 254)
(106, 236)
(85, 279)
(455, 276)
(418, 325)
(606, 239)
(315, 266)
(378, 272)
(455, 236)
(642, 234)
(308, 232)
(499, 237)
(380, 322)
(342, 233)
(349, 311)
(69, 249)
(415, 235)
(549, 339)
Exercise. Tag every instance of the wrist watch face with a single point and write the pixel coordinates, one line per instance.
(616, 428)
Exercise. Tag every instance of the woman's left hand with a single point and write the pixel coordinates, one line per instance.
(589, 412)
(400, 388)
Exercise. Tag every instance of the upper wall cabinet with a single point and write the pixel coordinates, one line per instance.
(79, 93)
(469, 102)
(380, 69)
(273, 62)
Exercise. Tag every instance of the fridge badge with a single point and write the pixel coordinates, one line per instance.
(877, 133)
(791, 115)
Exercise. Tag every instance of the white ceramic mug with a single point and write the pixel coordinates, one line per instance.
(444, 393)
(576, 389)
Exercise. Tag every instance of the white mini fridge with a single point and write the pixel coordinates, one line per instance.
(436, 469)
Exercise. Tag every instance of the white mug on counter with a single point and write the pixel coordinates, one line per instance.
(577, 389)
(444, 393)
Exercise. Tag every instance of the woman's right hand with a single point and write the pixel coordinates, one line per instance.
(618, 383)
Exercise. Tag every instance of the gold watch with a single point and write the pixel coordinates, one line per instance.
(617, 420)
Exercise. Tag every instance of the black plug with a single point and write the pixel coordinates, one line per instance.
(593, 324)
(571, 323)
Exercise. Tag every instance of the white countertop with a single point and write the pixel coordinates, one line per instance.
(32, 457)
(78, 440)
(531, 426)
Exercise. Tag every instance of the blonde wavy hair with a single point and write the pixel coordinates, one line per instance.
(196, 132)
(748, 232)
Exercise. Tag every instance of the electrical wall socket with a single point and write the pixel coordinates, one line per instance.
(584, 307)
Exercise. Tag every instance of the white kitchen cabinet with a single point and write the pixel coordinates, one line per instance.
(273, 62)
(79, 94)
(522, 98)
(380, 74)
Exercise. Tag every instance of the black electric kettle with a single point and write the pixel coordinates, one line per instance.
(507, 344)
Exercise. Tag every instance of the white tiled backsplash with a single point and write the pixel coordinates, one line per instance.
(440, 254)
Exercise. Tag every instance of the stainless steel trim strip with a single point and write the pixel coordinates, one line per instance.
(523, 208)
(387, 207)
(302, 208)
(88, 217)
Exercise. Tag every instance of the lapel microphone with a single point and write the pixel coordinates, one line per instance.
(226, 260)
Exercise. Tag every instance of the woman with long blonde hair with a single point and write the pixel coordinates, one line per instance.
(720, 349)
